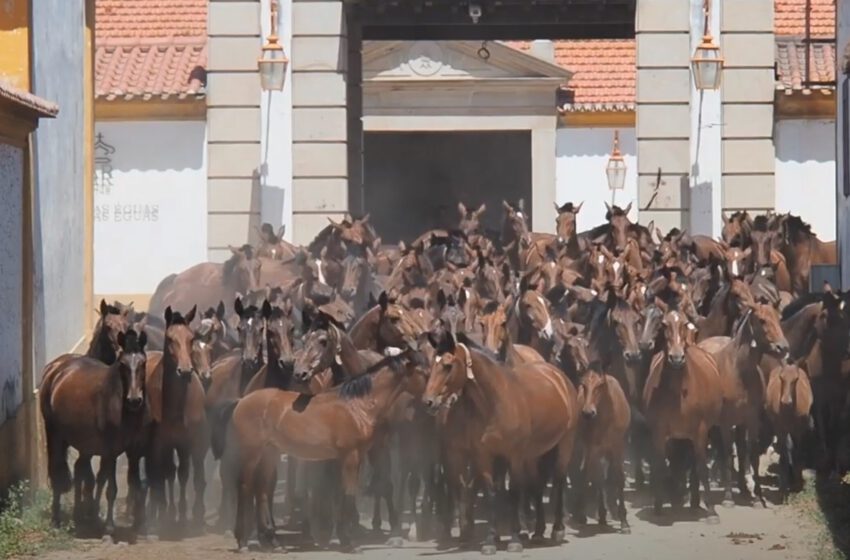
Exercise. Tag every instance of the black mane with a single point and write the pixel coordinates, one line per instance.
(230, 264)
(355, 387)
(796, 225)
(613, 212)
(798, 304)
(566, 207)
(760, 223)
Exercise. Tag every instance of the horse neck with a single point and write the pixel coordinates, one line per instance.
(386, 389)
(482, 394)
(799, 330)
(747, 357)
(247, 371)
(101, 349)
(174, 389)
(352, 363)
(276, 376)
(364, 334)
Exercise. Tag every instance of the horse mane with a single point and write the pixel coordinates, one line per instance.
(798, 304)
(355, 387)
(462, 338)
(315, 247)
(566, 207)
(131, 342)
(230, 264)
(490, 307)
(178, 319)
(760, 223)
(797, 226)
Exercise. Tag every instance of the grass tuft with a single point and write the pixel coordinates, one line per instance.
(25, 527)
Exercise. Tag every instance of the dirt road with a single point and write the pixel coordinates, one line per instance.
(774, 533)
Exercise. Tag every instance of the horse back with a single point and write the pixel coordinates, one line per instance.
(81, 398)
(225, 374)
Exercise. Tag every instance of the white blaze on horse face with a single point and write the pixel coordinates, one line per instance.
(547, 330)
(319, 269)
(735, 267)
(642, 290)
(616, 266)
(392, 351)
(600, 259)
(520, 216)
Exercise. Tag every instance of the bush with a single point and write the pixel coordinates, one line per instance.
(25, 526)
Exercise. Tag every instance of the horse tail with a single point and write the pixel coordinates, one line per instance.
(57, 461)
(220, 416)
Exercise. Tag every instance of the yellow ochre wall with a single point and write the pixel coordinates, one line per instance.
(15, 43)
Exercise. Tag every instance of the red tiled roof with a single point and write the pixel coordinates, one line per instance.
(791, 65)
(148, 19)
(150, 48)
(604, 73)
(790, 17)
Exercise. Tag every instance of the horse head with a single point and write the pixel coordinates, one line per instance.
(242, 269)
(131, 364)
(450, 371)
(592, 385)
(678, 334)
(398, 330)
(113, 321)
(280, 334)
(565, 223)
(470, 219)
(321, 349)
(623, 320)
(177, 351)
(618, 218)
(250, 329)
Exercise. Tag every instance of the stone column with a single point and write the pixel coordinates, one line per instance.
(749, 154)
(233, 125)
(319, 116)
(663, 114)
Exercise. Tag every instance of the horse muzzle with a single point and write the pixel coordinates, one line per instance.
(184, 374)
(135, 403)
(632, 358)
(588, 413)
(676, 361)
(301, 374)
(432, 404)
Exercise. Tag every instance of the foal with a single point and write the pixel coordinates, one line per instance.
(97, 409)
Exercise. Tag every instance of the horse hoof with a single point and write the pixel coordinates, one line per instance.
(712, 519)
(107, 539)
(350, 549)
(758, 504)
(243, 550)
(537, 537)
(488, 549)
(558, 536)
(626, 530)
(278, 549)
(515, 547)
(395, 542)
(153, 538)
(728, 503)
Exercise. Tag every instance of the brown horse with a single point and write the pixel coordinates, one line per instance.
(682, 400)
(518, 415)
(758, 332)
(737, 228)
(206, 284)
(788, 402)
(98, 410)
(802, 249)
(470, 220)
(176, 404)
(494, 325)
(336, 425)
(604, 422)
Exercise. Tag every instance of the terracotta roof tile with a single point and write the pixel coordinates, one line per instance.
(791, 65)
(149, 49)
(29, 101)
(604, 73)
(147, 69)
(790, 17)
(150, 18)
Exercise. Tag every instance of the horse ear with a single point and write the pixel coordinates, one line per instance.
(219, 311)
(481, 210)
(267, 310)
(507, 206)
(724, 217)
(281, 232)
(104, 308)
(607, 208)
(557, 208)
(237, 306)
(191, 315)
(365, 219)
(627, 208)
(521, 205)
(461, 208)
(577, 209)
(168, 316)
(143, 340)
(383, 301)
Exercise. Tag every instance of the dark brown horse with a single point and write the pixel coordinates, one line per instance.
(518, 415)
(802, 249)
(176, 404)
(736, 229)
(98, 410)
(682, 400)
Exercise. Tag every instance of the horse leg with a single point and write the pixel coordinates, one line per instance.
(595, 476)
(350, 474)
(657, 472)
(492, 538)
(60, 476)
(83, 488)
(700, 444)
(726, 457)
(263, 485)
(100, 485)
(516, 495)
(250, 461)
(199, 483)
(754, 455)
(290, 511)
(784, 467)
(744, 485)
(616, 489)
(108, 464)
(183, 457)
(558, 527)
(135, 491)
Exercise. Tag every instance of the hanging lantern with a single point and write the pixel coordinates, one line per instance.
(616, 168)
(272, 63)
(707, 64)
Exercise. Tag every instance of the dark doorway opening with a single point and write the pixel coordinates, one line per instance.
(414, 180)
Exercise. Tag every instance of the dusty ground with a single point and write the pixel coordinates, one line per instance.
(775, 533)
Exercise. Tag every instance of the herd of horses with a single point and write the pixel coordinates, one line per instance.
(479, 369)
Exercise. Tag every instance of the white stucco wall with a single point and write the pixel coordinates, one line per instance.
(11, 334)
(152, 220)
(582, 154)
(805, 172)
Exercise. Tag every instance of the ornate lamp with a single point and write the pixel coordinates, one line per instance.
(616, 168)
(707, 64)
(272, 62)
